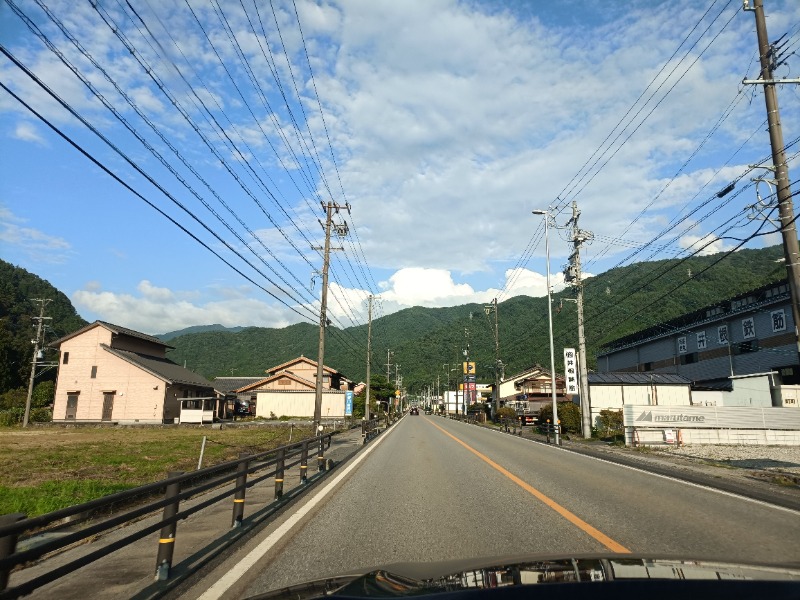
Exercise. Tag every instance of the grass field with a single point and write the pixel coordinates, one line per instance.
(44, 469)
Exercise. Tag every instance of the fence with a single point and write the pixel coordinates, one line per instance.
(244, 472)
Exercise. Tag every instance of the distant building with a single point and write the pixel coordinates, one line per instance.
(111, 373)
(715, 347)
(531, 385)
(290, 389)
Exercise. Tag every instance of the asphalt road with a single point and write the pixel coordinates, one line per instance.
(434, 489)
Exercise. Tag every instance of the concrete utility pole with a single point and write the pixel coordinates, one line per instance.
(369, 356)
(573, 275)
(40, 319)
(488, 309)
(341, 231)
(791, 251)
(556, 422)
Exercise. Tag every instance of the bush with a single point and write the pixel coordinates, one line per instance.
(507, 412)
(609, 422)
(15, 416)
(569, 415)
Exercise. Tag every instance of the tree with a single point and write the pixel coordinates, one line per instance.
(43, 394)
(569, 415)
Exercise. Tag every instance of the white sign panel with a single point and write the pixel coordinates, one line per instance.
(778, 320)
(571, 370)
(748, 328)
(701, 340)
(710, 417)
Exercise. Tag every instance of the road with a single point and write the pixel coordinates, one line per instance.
(433, 489)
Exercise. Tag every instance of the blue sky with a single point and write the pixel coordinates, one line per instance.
(442, 124)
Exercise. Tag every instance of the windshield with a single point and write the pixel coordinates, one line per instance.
(526, 268)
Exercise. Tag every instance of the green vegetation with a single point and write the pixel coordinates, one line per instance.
(569, 415)
(17, 289)
(619, 302)
(46, 468)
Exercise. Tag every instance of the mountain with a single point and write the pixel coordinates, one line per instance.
(165, 337)
(424, 340)
(18, 288)
(426, 343)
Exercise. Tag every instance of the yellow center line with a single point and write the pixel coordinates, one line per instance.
(569, 516)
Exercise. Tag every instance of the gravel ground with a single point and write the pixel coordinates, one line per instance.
(784, 459)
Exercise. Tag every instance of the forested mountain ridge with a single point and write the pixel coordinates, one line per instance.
(18, 288)
(426, 343)
(424, 340)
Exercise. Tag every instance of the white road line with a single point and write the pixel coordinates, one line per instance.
(225, 582)
(668, 477)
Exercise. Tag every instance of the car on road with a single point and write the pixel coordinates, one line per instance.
(414, 411)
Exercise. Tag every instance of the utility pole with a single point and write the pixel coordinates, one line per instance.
(341, 231)
(40, 319)
(573, 275)
(769, 61)
(488, 309)
(369, 356)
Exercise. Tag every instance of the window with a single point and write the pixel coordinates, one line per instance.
(688, 359)
(94, 371)
(65, 358)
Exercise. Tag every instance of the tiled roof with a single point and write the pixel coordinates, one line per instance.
(114, 329)
(259, 382)
(301, 358)
(638, 378)
(228, 384)
(161, 367)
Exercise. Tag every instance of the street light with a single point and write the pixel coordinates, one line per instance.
(546, 215)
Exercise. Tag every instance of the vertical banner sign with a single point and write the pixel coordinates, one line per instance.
(570, 371)
(469, 377)
(348, 404)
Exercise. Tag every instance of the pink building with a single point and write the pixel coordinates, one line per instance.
(110, 373)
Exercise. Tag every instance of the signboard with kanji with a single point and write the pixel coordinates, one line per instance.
(571, 370)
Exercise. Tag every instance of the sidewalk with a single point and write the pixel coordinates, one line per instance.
(200, 539)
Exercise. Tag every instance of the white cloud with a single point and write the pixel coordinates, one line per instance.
(33, 243)
(159, 309)
(27, 132)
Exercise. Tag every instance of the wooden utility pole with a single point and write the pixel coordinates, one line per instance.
(791, 251)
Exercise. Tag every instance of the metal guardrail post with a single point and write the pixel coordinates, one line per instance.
(321, 454)
(279, 466)
(241, 486)
(8, 544)
(304, 463)
(166, 539)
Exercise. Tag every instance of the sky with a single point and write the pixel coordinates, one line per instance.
(199, 141)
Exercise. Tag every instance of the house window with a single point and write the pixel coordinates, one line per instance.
(65, 359)
(688, 359)
(94, 372)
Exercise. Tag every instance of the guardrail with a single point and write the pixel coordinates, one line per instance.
(177, 488)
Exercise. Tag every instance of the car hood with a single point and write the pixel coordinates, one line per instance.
(416, 579)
